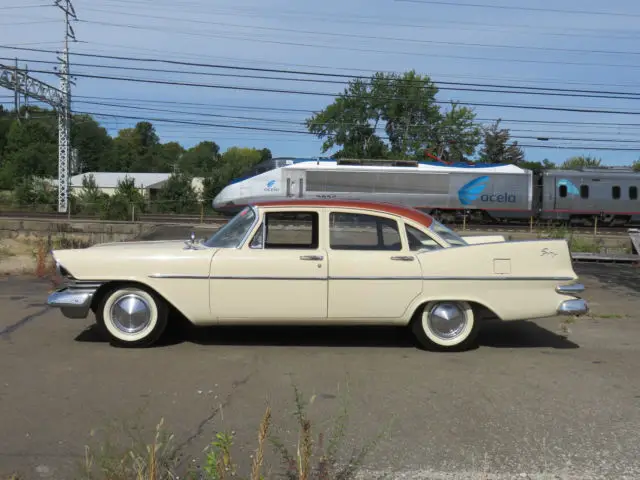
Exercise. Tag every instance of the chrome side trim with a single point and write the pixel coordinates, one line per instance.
(573, 307)
(271, 277)
(267, 278)
(73, 302)
(179, 276)
(570, 289)
(502, 278)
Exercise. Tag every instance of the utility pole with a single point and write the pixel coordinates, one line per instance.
(64, 115)
(16, 93)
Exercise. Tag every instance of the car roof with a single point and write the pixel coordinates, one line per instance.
(390, 208)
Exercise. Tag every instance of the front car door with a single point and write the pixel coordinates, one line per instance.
(278, 276)
(373, 274)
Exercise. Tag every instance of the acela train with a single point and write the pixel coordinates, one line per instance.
(485, 192)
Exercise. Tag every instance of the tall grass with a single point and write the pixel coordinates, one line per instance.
(310, 457)
(577, 243)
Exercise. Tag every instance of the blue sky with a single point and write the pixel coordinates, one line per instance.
(443, 40)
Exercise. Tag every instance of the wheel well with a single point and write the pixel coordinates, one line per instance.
(480, 311)
(108, 286)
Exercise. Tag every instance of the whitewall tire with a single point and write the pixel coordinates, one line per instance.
(446, 325)
(132, 316)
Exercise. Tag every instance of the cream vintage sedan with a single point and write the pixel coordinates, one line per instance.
(324, 263)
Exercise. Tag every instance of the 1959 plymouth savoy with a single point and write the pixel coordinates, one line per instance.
(323, 263)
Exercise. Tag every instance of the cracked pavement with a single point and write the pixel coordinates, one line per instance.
(527, 403)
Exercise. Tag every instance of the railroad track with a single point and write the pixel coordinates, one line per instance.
(217, 219)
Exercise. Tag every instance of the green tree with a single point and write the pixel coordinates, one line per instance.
(177, 195)
(537, 166)
(405, 107)
(635, 166)
(201, 159)
(93, 143)
(31, 150)
(91, 200)
(125, 203)
(36, 194)
(170, 154)
(265, 154)
(457, 135)
(138, 149)
(581, 161)
(234, 163)
(496, 147)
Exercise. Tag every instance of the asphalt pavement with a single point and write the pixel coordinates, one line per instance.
(529, 402)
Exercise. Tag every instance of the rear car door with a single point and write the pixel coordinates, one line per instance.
(372, 272)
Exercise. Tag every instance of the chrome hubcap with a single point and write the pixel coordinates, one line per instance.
(131, 313)
(446, 320)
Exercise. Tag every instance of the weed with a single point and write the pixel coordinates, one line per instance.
(5, 252)
(138, 461)
(158, 461)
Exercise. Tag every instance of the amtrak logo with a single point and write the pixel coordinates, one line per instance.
(571, 188)
(472, 190)
(271, 186)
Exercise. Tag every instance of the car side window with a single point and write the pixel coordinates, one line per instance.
(356, 231)
(419, 240)
(288, 230)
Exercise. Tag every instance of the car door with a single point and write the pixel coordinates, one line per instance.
(278, 276)
(373, 275)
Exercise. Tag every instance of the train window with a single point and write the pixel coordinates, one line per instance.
(354, 231)
(292, 230)
(563, 191)
(584, 191)
(633, 193)
(615, 192)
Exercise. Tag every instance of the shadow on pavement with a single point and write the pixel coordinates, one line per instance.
(520, 334)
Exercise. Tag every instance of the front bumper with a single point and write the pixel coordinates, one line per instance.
(73, 302)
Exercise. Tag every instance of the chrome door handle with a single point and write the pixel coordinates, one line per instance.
(403, 258)
(311, 257)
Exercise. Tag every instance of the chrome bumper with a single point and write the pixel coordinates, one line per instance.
(576, 306)
(72, 302)
(571, 289)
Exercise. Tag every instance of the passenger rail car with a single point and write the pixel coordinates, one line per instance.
(485, 193)
(579, 196)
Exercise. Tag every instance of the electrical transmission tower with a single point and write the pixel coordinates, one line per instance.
(60, 99)
(64, 114)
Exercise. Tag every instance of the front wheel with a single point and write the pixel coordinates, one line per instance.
(446, 326)
(132, 317)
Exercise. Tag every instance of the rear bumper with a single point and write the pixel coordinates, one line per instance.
(72, 302)
(577, 306)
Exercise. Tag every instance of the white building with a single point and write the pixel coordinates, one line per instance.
(147, 183)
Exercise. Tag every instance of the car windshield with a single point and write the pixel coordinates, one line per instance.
(234, 231)
(447, 234)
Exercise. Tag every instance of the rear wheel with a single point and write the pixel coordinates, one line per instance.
(446, 326)
(131, 316)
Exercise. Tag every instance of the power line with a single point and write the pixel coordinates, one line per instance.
(256, 38)
(529, 9)
(458, 86)
(299, 123)
(327, 94)
(303, 110)
(365, 37)
(368, 20)
(299, 132)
